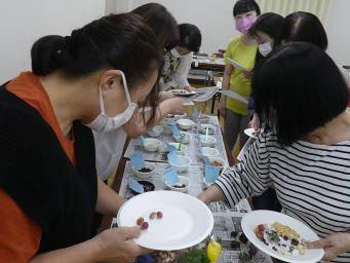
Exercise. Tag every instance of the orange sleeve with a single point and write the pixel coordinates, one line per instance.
(20, 236)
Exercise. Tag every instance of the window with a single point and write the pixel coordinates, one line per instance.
(320, 8)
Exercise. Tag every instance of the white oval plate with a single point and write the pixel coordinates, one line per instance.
(252, 219)
(186, 220)
(182, 92)
(250, 132)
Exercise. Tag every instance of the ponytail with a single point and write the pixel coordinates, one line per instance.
(48, 54)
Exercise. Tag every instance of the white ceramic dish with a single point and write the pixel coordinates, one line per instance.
(182, 92)
(182, 181)
(211, 129)
(185, 124)
(185, 163)
(207, 143)
(145, 175)
(152, 145)
(210, 152)
(171, 117)
(252, 219)
(186, 139)
(184, 148)
(186, 220)
(224, 165)
(155, 131)
(204, 118)
(251, 133)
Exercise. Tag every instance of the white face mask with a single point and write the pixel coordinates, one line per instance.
(265, 49)
(175, 53)
(104, 123)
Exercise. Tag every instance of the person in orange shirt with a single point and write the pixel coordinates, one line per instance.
(49, 189)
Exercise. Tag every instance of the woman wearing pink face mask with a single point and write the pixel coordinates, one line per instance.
(241, 49)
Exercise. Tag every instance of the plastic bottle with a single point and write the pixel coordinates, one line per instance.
(213, 250)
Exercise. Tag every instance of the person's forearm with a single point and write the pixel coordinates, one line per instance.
(108, 201)
(165, 95)
(227, 76)
(86, 252)
(226, 82)
(137, 127)
(212, 194)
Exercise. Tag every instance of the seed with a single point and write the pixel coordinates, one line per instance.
(144, 226)
(295, 242)
(139, 221)
(153, 215)
(159, 215)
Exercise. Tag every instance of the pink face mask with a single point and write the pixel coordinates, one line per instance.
(243, 24)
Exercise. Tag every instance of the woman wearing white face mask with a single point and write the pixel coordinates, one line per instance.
(130, 121)
(49, 189)
(268, 33)
(177, 62)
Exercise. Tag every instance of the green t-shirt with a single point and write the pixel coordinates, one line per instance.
(245, 55)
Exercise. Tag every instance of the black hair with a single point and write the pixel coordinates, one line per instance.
(162, 22)
(305, 27)
(299, 89)
(244, 6)
(123, 42)
(190, 37)
(271, 24)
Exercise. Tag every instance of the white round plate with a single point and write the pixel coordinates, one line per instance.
(250, 132)
(252, 219)
(186, 220)
(182, 92)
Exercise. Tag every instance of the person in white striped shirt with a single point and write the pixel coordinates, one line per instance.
(305, 154)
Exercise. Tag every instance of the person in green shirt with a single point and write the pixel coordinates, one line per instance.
(241, 49)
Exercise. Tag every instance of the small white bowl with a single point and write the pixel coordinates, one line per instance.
(152, 145)
(204, 118)
(185, 164)
(207, 143)
(186, 139)
(168, 130)
(210, 152)
(182, 181)
(170, 117)
(215, 159)
(145, 175)
(183, 148)
(185, 124)
(211, 129)
(155, 131)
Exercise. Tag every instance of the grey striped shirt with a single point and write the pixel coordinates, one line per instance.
(312, 182)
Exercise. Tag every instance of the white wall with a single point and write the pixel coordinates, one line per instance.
(338, 32)
(213, 17)
(24, 21)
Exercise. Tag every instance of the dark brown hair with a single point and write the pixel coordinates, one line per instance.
(162, 22)
(123, 42)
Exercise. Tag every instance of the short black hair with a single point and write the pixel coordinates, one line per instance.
(190, 37)
(305, 27)
(162, 22)
(299, 89)
(271, 24)
(244, 6)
